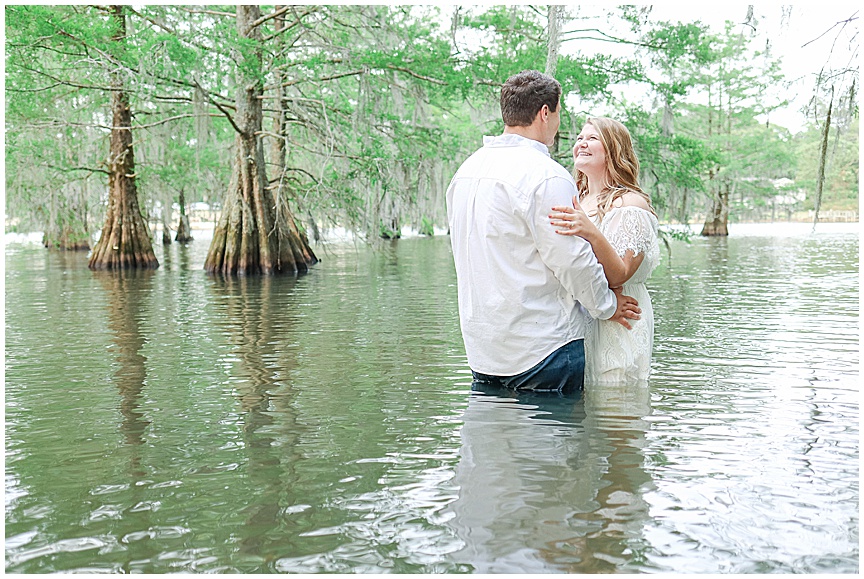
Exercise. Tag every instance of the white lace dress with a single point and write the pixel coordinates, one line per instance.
(614, 354)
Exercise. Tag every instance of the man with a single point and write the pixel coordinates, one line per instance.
(525, 292)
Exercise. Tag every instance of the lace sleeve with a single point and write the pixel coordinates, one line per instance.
(630, 228)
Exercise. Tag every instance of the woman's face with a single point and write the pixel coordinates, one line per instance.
(589, 155)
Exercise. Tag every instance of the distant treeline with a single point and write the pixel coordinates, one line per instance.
(295, 119)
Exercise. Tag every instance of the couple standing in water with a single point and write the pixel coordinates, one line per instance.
(551, 271)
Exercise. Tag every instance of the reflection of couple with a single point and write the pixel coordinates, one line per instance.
(552, 483)
(533, 270)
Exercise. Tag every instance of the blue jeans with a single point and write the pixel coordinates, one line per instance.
(561, 371)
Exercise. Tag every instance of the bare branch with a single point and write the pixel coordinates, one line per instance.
(290, 26)
(415, 75)
(218, 106)
(64, 123)
(322, 79)
(56, 84)
(297, 170)
(168, 120)
(836, 24)
(70, 169)
(837, 74)
(270, 16)
(38, 44)
(269, 134)
(211, 12)
(152, 21)
(64, 82)
(605, 38)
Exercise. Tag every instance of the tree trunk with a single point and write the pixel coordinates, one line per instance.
(253, 236)
(553, 45)
(389, 224)
(277, 151)
(280, 190)
(717, 221)
(552, 41)
(184, 231)
(125, 241)
(823, 153)
(167, 209)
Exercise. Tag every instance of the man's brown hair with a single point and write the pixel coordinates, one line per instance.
(524, 94)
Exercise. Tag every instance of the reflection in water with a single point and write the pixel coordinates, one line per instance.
(315, 425)
(551, 482)
(126, 294)
(615, 429)
(257, 321)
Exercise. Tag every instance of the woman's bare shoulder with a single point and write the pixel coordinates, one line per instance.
(633, 199)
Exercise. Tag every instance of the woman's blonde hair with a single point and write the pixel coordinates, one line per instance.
(622, 166)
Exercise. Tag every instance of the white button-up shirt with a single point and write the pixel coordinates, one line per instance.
(520, 284)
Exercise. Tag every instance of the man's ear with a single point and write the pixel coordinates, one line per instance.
(544, 112)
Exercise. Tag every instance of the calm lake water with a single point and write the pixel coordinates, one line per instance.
(170, 421)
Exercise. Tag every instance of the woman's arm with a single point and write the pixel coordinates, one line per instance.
(616, 268)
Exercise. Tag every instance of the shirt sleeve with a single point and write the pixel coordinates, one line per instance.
(630, 228)
(570, 258)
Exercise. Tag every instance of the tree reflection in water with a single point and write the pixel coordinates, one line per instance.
(127, 292)
(258, 320)
(552, 483)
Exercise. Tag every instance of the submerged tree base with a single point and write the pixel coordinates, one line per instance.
(391, 230)
(67, 241)
(249, 240)
(184, 231)
(234, 251)
(252, 239)
(124, 245)
(717, 221)
(715, 229)
(118, 261)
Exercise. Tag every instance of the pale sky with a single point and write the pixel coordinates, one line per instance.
(788, 30)
(803, 23)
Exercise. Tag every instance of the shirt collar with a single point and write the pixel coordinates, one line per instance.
(513, 140)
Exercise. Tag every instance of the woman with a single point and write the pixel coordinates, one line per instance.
(615, 216)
